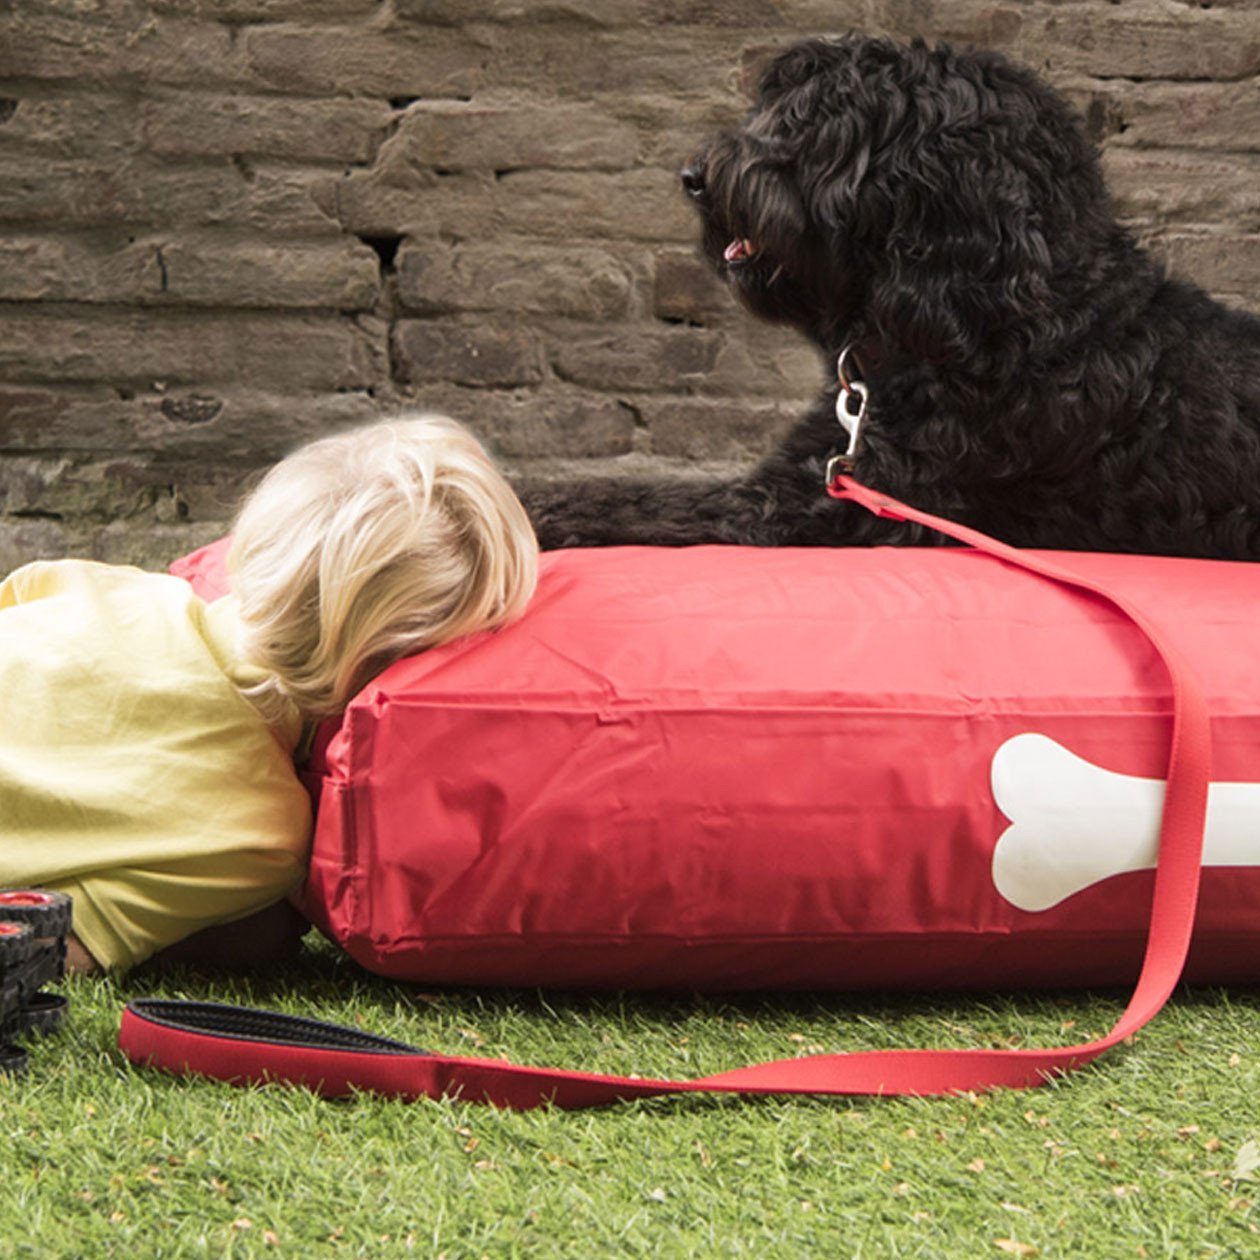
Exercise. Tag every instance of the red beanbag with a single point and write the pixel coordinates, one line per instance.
(206, 569)
(725, 768)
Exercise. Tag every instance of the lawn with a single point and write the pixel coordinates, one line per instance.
(1150, 1152)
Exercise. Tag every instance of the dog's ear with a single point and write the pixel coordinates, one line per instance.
(965, 267)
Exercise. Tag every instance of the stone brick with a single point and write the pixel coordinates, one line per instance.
(87, 489)
(152, 546)
(196, 270)
(1178, 188)
(342, 276)
(459, 135)
(642, 205)
(695, 429)
(1220, 263)
(267, 10)
(188, 124)
(457, 12)
(466, 354)
(745, 359)
(39, 538)
(1224, 116)
(114, 44)
(388, 202)
(139, 192)
(826, 16)
(739, 14)
(73, 123)
(536, 424)
(639, 205)
(672, 135)
(218, 424)
(74, 193)
(686, 288)
(650, 360)
(530, 280)
(611, 63)
(635, 466)
(97, 503)
(176, 348)
(64, 269)
(359, 60)
(994, 25)
(1145, 40)
(279, 198)
(767, 361)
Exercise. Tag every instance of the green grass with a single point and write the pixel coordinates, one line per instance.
(1145, 1153)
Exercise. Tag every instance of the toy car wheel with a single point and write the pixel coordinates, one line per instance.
(17, 943)
(12, 1059)
(44, 1012)
(49, 913)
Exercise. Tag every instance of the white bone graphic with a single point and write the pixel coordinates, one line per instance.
(1074, 823)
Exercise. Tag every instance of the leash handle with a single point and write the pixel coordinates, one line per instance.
(246, 1046)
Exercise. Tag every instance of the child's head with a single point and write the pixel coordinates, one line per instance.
(369, 546)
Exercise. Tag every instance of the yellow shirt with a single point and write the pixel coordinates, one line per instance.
(133, 774)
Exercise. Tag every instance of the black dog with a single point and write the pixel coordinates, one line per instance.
(1018, 362)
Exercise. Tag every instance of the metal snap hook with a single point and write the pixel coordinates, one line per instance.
(841, 366)
(851, 403)
(849, 413)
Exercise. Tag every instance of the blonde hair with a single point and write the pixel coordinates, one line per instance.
(372, 545)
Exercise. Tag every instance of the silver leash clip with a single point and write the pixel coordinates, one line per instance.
(851, 404)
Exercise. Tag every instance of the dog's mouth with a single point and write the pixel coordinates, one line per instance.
(740, 250)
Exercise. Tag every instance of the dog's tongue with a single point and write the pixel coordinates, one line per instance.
(738, 250)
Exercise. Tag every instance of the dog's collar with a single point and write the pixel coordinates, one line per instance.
(872, 360)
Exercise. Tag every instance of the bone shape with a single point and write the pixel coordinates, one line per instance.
(1074, 823)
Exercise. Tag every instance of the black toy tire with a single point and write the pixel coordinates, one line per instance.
(17, 943)
(44, 1012)
(49, 913)
(12, 1059)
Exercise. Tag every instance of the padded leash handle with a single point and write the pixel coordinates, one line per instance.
(245, 1046)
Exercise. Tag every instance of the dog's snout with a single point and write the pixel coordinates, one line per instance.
(693, 180)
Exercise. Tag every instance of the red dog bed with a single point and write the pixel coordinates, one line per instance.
(662, 776)
(727, 768)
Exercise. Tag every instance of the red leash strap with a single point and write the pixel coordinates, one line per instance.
(241, 1045)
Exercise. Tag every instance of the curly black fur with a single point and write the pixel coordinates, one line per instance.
(1033, 372)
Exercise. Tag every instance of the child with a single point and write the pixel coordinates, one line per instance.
(147, 738)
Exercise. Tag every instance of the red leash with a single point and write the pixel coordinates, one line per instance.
(241, 1045)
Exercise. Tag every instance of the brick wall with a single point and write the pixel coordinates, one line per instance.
(226, 225)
